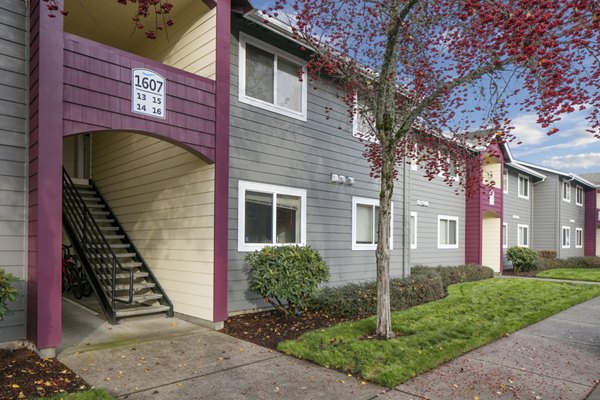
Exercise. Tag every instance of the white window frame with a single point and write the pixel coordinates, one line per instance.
(563, 237)
(375, 203)
(366, 136)
(578, 238)
(244, 186)
(504, 235)
(244, 39)
(414, 235)
(578, 189)
(505, 181)
(449, 218)
(520, 242)
(564, 185)
(521, 195)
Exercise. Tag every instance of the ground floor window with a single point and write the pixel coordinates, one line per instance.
(523, 235)
(447, 232)
(505, 235)
(270, 215)
(578, 238)
(365, 222)
(413, 230)
(566, 237)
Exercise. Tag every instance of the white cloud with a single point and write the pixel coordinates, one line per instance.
(527, 130)
(574, 161)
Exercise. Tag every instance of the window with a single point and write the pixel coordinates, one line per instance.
(492, 197)
(270, 215)
(365, 221)
(523, 187)
(362, 125)
(269, 78)
(579, 195)
(578, 238)
(566, 191)
(523, 235)
(414, 163)
(505, 181)
(413, 230)
(505, 235)
(447, 232)
(566, 237)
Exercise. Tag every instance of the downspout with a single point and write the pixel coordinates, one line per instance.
(406, 208)
(531, 216)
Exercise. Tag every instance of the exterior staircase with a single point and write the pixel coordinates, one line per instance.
(121, 279)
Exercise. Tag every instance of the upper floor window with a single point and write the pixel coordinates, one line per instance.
(365, 223)
(447, 232)
(505, 181)
(566, 191)
(523, 186)
(362, 125)
(270, 215)
(579, 195)
(271, 79)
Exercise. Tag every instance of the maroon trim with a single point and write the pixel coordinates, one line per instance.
(45, 178)
(589, 226)
(222, 160)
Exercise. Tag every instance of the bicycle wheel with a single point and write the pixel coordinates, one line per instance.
(77, 286)
(85, 284)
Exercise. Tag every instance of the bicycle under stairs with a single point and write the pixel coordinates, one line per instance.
(122, 280)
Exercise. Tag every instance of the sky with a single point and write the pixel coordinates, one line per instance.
(572, 149)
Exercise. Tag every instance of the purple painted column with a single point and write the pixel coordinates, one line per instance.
(45, 178)
(473, 214)
(589, 226)
(222, 160)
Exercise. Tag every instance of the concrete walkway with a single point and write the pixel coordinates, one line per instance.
(558, 358)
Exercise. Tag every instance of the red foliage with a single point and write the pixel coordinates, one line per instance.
(159, 9)
(456, 66)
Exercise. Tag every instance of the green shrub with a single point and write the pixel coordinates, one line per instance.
(523, 258)
(549, 263)
(359, 300)
(286, 276)
(581, 262)
(455, 274)
(551, 254)
(7, 292)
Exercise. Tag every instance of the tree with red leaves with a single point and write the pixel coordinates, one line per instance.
(422, 74)
(158, 9)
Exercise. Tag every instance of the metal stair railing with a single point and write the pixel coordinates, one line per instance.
(91, 245)
(164, 300)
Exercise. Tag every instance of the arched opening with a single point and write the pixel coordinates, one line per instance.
(158, 196)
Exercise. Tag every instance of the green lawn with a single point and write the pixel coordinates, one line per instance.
(576, 274)
(472, 315)
(94, 394)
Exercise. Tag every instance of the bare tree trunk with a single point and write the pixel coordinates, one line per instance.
(382, 254)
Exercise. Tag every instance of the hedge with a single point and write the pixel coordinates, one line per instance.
(456, 274)
(359, 300)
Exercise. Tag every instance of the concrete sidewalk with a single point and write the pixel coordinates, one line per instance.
(558, 358)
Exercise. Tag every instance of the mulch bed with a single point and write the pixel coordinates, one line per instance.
(23, 375)
(268, 328)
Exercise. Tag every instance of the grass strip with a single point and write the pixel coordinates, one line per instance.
(472, 315)
(575, 274)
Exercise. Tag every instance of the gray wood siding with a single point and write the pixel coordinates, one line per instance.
(266, 147)
(517, 210)
(13, 157)
(545, 233)
(443, 200)
(570, 215)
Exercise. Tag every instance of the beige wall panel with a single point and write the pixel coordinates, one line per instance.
(491, 243)
(70, 155)
(164, 197)
(192, 38)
